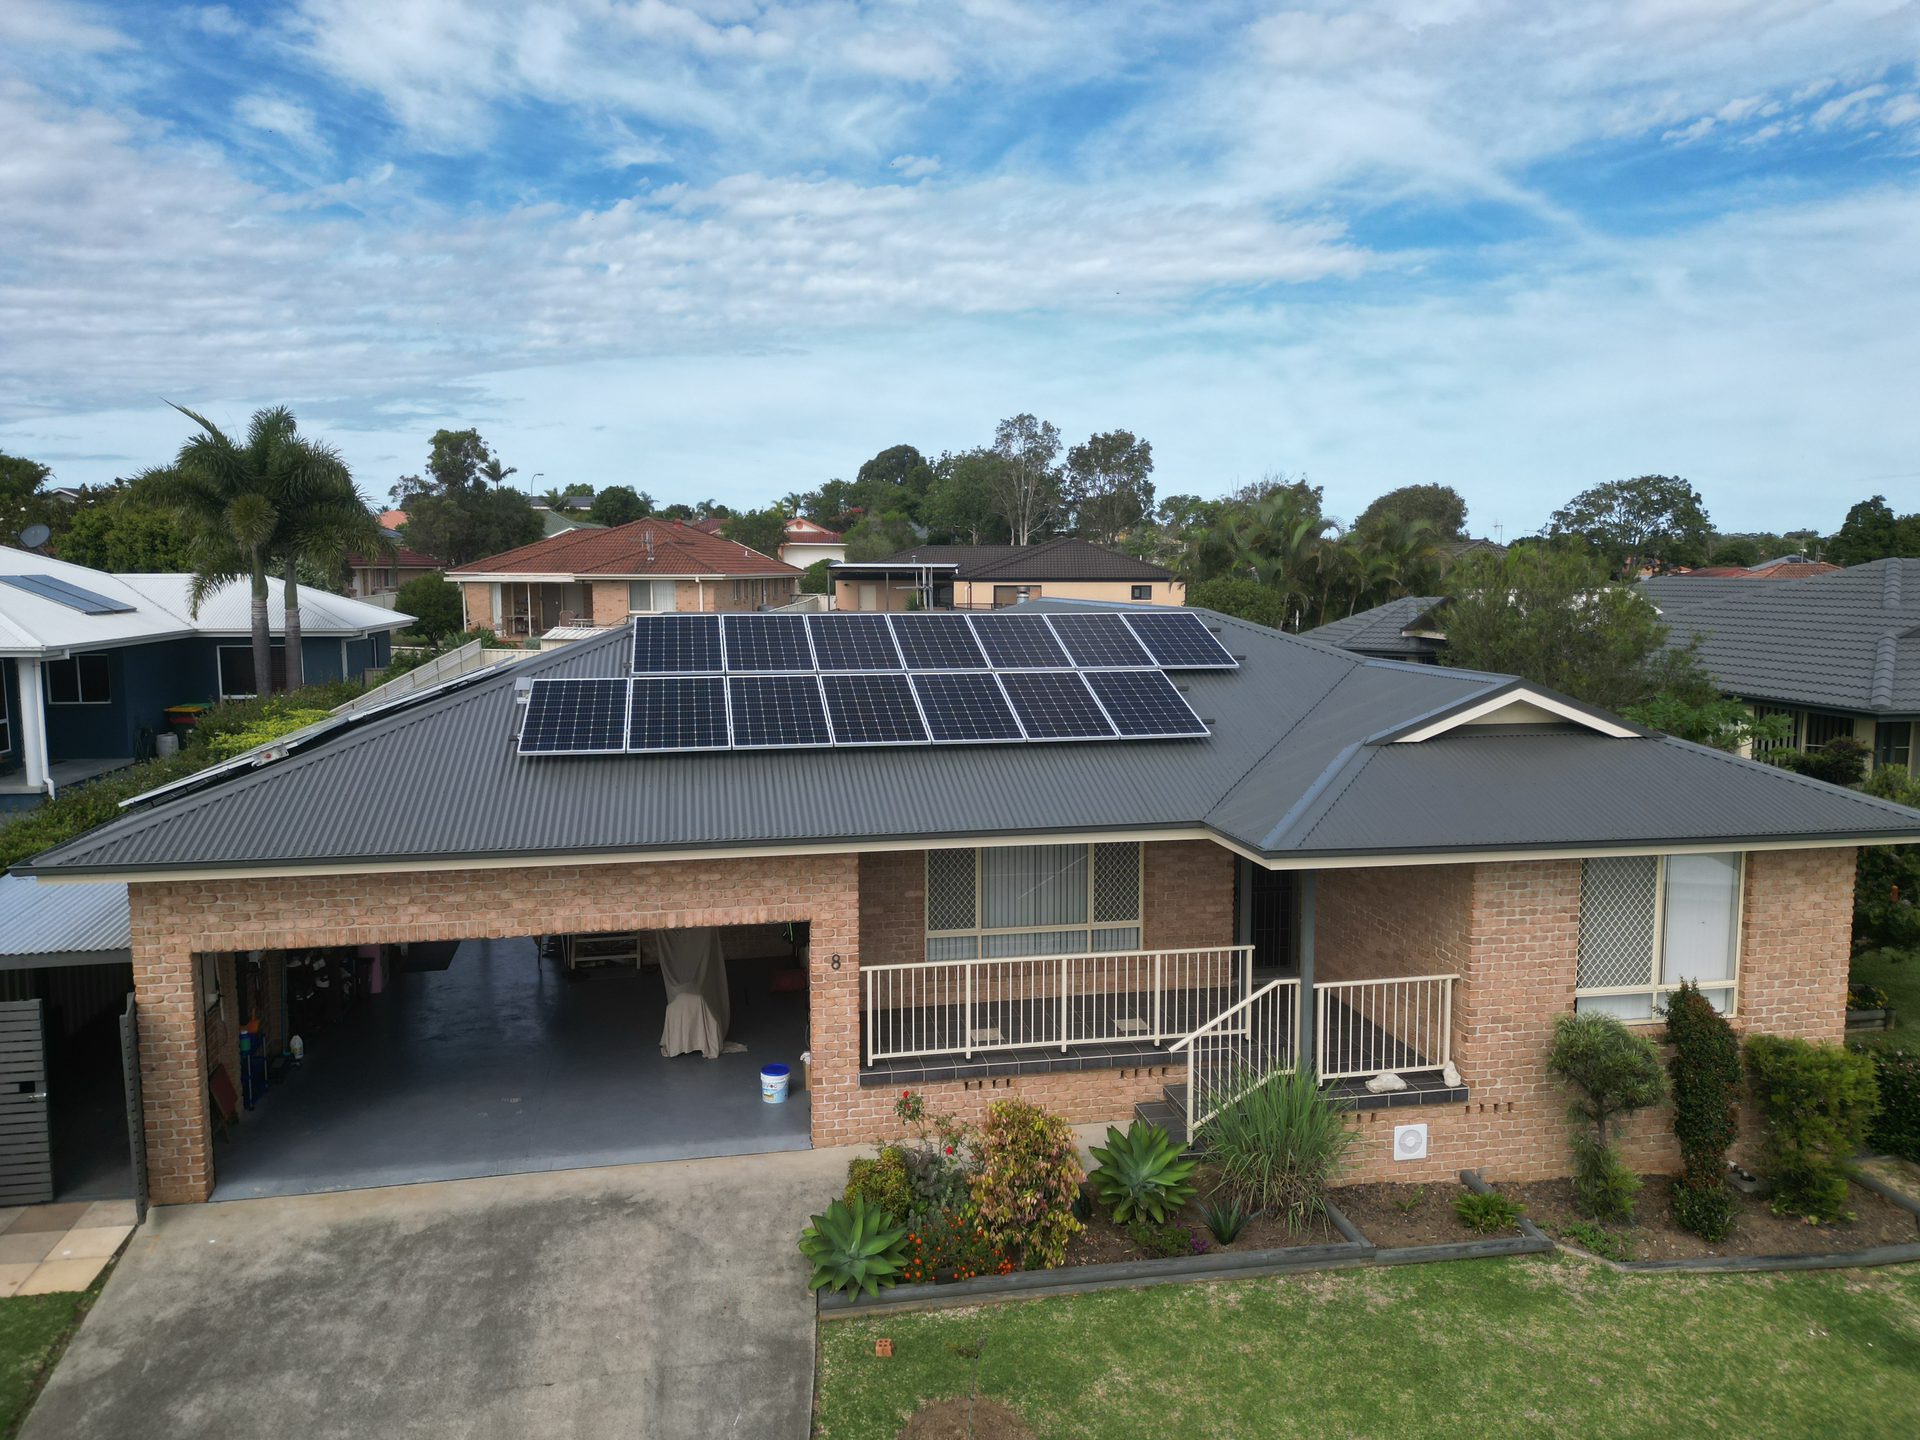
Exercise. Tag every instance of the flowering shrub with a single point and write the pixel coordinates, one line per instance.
(951, 1241)
(941, 1162)
(1028, 1180)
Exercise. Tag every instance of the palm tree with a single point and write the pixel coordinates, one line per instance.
(495, 472)
(322, 524)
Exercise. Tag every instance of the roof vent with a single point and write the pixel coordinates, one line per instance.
(1890, 587)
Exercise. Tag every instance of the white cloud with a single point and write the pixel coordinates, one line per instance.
(45, 23)
(912, 167)
(218, 20)
(1843, 107)
(1695, 131)
(279, 116)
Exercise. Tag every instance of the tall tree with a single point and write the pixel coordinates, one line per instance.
(322, 521)
(1441, 506)
(556, 499)
(620, 505)
(1873, 532)
(761, 530)
(21, 501)
(457, 514)
(117, 527)
(1026, 490)
(1653, 521)
(1107, 485)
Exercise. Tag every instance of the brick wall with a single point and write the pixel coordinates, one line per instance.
(893, 906)
(479, 601)
(1188, 899)
(609, 602)
(1396, 920)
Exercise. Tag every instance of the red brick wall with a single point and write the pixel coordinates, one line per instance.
(1188, 898)
(893, 906)
(1382, 923)
(479, 600)
(609, 602)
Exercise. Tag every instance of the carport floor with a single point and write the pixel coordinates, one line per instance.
(501, 1064)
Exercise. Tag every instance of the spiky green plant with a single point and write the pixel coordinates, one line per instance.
(853, 1248)
(1141, 1173)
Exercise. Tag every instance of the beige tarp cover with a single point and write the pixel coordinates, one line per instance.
(696, 976)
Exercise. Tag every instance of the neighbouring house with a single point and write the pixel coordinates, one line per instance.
(1787, 567)
(1111, 859)
(1403, 629)
(92, 661)
(600, 576)
(572, 516)
(1836, 650)
(807, 543)
(383, 575)
(991, 577)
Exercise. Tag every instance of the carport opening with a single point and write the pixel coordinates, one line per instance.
(75, 1146)
(491, 1057)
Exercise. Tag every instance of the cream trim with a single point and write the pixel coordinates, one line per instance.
(1485, 710)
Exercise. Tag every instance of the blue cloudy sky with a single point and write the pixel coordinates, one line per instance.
(724, 248)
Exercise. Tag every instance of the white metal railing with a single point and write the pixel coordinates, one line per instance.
(1239, 1048)
(961, 1007)
(1363, 1027)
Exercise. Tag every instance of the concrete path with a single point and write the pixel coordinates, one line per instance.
(662, 1300)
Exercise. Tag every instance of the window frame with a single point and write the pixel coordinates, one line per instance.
(1142, 592)
(79, 679)
(6, 716)
(1885, 753)
(1659, 987)
(979, 932)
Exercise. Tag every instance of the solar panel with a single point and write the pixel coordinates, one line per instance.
(1099, 640)
(853, 642)
(1181, 641)
(1143, 703)
(678, 712)
(676, 644)
(1055, 705)
(937, 642)
(575, 717)
(776, 710)
(965, 706)
(1019, 642)
(49, 587)
(873, 710)
(767, 642)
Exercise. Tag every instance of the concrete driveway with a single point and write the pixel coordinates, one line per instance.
(663, 1300)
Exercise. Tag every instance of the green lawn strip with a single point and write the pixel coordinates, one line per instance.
(1901, 980)
(1526, 1346)
(34, 1331)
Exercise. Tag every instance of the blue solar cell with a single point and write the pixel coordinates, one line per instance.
(873, 710)
(676, 645)
(1099, 640)
(853, 642)
(678, 712)
(965, 706)
(1179, 640)
(1019, 642)
(51, 587)
(776, 711)
(937, 642)
(1143, 703)
(1055, 705)
(575, 717)
(767, 643)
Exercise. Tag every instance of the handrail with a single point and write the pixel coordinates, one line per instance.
(1186, 1040)
(1398, 1023)
(1238, 1049)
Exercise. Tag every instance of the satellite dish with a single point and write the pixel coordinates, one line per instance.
(34, 536)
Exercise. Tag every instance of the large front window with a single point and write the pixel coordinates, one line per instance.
(1006, 900)
(1649, 922)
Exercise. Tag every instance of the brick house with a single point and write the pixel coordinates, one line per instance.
(991, 577)
(599, 576)
(1262, 850)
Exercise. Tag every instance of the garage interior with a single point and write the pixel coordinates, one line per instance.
(491, 1057)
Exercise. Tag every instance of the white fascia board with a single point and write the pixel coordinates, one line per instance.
(1519, 694)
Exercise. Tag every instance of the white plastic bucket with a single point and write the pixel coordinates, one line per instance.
(773, 1084)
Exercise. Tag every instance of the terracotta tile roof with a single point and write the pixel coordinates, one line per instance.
(642, 547)
(393, 519)
(803, 532)
(1773, 570)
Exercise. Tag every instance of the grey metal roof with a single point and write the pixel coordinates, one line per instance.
(77, 924)
(438, 780)
(1377, 631)
(1845, 640)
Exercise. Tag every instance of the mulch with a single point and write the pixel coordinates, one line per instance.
(1396, 1215)
(947, 1420)
(1757, 1230)
(1105, 1243)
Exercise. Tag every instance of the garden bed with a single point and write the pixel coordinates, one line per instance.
(1757, 1230)
(1391, 1216)
(1105, 1243)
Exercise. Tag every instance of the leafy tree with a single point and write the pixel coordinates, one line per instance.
(1873, 532)
(1107, 485)
(1722, 721)
(1441, 506)
(1026, 489)
(1611, 1073)
(321, 523)
(1551, 616)
(1886, 884)
(1841, 761)
(619, 505)
(1239, 596)
(762, 530)
(1739, 550)
(434, 602)
(959, 507)
(1656, 521)
(833, 505)
(557, 499)
(895, 479)
(1276, 541)
(21, 502)
(817, 579)
(458, 515)
(116, 532)
(879, 536)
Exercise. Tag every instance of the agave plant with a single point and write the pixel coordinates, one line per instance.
(853, 1247)
(1141, 1173)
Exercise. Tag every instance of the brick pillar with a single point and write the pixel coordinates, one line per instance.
(833, 1013)
(173, 1065)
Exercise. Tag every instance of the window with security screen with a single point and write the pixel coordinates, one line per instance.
(1001, 901)
(1649, 923)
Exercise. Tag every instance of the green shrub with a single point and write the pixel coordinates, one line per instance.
(817, 579)
(1236, 595)
(1141, 1173)
(941, 1163)
(1279, 1146)
(1224, 1218)
(1705, 1070)
(882, 1182)
(1165, 1242)
(1486, 1213)
(853, 1248)
(230, 743)
(1611, 1072)
(1895, 1128)
(1593, 1239)
(1029, 1174)
(1816, 1102)
(1866, 997)
(434, 602)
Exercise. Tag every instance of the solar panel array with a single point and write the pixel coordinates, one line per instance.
(752, 681)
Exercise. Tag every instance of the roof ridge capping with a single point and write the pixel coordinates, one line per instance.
(1520, 696)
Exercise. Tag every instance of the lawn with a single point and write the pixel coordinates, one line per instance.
(1901, 980)
(34, 1330)
(1525, 1346)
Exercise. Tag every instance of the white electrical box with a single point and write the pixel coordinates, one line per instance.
(1410, 1142)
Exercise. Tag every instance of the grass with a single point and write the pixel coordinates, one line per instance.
(34, 1331)
(1525, 1346)
(1901, 980)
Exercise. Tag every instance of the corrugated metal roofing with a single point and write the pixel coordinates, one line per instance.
(439, 780)
(642, 547)
(48, 923)
(229, 610)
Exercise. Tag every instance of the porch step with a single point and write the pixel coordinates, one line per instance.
(1172, 1119)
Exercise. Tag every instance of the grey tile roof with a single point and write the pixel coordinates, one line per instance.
(1065, 558)
(1845, 640)
(1287, 772)
(1377, 631)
